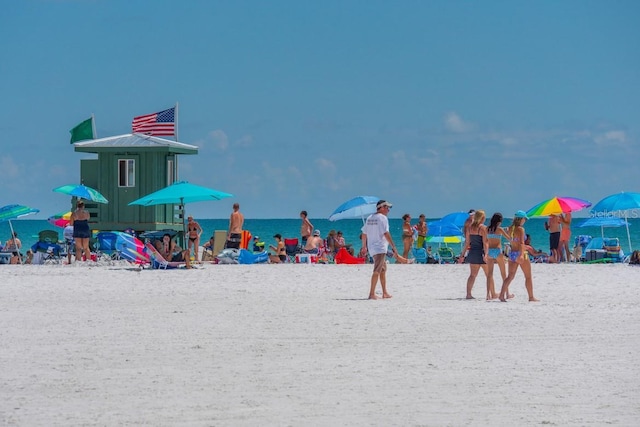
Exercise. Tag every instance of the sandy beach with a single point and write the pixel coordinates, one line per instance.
(238, 345)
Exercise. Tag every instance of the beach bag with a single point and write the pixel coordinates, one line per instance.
(635, 258)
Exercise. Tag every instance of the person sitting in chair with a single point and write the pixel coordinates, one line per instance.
(332, 248)
(279, 249)
(258, 246)
(340, 243)
(14, 245)
(207, 253)
(314, 243)
(171, 252)
(535, 252)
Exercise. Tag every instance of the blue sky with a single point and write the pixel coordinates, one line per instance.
(438, 106)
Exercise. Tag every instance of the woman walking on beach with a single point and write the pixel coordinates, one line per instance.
(495, 233)
(407, 235)
(477, 246)
(518, 257)
(81, 232)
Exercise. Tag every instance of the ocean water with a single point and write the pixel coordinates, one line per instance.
(265, 228)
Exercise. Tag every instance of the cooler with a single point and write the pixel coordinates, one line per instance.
(595, 254)
(306, 258)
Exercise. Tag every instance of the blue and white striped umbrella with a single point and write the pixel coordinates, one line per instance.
(358, 207)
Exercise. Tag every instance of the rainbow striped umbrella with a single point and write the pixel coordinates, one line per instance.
(557, 206)
(60, 220)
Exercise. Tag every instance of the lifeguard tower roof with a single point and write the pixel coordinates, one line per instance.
(136, 141)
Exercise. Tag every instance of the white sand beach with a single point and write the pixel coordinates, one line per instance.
(238, 345)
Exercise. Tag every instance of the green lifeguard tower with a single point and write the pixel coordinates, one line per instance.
(129, 167)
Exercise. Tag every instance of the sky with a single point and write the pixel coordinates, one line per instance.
(436, 106)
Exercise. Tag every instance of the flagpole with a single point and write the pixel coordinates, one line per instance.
(175, 134)
(93, 126)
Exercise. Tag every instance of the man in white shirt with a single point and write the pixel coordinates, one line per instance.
(376, 238)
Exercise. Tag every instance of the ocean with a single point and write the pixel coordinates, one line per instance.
(290, 227)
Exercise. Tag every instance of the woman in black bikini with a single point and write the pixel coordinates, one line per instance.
(194, 231)
(81, 231)
(280, 250)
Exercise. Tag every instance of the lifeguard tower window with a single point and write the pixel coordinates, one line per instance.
(126, 173)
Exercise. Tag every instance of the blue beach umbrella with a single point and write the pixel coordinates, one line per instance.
(131, 248)
(444, 232)
(82, 192)
(358, 207)
(443, 229)
(620, 203)
(603, 221)
(457, 218)
(9, 212)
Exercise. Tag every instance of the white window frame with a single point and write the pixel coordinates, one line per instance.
(130, 173)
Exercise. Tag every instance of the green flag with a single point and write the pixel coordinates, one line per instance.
(83, 131)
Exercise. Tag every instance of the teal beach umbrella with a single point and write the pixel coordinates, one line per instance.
(82, 192)
(181, 192)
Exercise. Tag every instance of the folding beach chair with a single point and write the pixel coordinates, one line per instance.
(106, 246)
(419, 254)
(446, 255)
(292, 248)
(47, 247)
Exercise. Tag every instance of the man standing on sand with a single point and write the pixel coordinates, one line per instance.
(553, 225)
(236, 221)
(376, 239)
(306, 228)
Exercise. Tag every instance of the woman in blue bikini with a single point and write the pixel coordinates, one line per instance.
(518, 257)
(495, 233)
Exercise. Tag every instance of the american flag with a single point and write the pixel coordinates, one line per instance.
(158, 124)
